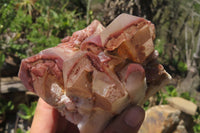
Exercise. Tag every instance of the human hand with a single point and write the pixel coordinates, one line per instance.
(48, 120)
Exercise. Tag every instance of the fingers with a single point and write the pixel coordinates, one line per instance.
(48, 120)
(44, 119)
(128, 122)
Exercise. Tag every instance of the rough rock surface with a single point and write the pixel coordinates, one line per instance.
(166, 119)
(11, 84)
(183, 105)
(160, 119)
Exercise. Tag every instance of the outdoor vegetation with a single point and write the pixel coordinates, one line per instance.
(29, 26)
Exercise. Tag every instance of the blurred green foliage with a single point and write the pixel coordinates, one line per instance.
(159, 46)
(27, 112)
(196, 119)
(2, 58)
(170, 91)
(36, 25)
(5, 106)
(146, 105)
(177, 30)
(187, 96)
(182, 67)
(7, 14)
(161, 96)
(19, 130)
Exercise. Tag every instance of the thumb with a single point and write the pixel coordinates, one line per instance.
(127, 122)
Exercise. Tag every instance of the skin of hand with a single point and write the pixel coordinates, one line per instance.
(48, 120)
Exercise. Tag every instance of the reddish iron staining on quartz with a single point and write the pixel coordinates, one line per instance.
(97, 72)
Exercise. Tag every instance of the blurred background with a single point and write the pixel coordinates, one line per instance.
(29, 26)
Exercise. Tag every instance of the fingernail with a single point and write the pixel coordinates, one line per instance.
(134, 116)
